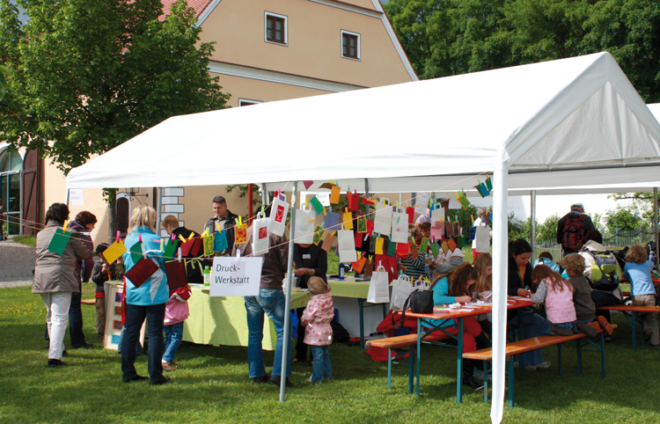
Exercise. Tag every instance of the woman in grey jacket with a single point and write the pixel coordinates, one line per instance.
(55, 278)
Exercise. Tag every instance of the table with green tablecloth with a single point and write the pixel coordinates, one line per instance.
(349, 287)
(223, 320)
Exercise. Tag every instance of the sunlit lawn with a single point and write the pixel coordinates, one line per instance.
(212, 384)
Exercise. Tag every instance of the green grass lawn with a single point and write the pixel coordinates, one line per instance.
(26, 240)
(212, 385)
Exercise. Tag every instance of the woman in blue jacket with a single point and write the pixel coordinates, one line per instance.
(146, 301)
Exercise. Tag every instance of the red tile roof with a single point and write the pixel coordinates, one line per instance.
(198, 5)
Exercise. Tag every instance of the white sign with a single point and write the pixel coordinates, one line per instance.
(236, 276)
(76, 197)
(324, 198)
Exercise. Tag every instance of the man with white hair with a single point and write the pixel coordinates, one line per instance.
(572, 228)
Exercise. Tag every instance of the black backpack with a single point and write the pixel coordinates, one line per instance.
(604, 275)
(339, 333)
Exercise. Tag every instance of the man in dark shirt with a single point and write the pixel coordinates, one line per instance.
(225, 220)
(578, 223)
(269, 302)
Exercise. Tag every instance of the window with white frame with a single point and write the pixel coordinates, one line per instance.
(275, 29)
(350, 45)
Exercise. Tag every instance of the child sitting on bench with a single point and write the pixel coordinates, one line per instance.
(557, 294)
(585, 308)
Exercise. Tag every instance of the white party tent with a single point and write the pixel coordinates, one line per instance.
(564, 123)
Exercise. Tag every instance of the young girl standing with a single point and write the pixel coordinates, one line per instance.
(318, 332)
(176, 312)
(638, 270)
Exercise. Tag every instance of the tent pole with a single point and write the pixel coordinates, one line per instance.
(366, 194)
(265, 199)
(500, 268)
(533, 222)
(287, 300)
(159, 201)
(655, 225)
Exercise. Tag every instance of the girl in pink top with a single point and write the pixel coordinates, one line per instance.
(557, 294)
(318, 332)
(176, 312)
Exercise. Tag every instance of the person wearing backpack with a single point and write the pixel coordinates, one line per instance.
(572, 228)
(604, 272)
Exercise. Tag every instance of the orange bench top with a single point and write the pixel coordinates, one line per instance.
(526, 345)
(631, 308)
(405, 340)
(88, 301)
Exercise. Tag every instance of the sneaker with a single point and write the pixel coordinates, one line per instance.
(544, 365)
(561, 331)
(162, 381)
(54, 363)
(276, 380)
(261, 380)
(168, 366)
(529, 367)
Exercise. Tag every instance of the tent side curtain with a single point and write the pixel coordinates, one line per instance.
(441, 130)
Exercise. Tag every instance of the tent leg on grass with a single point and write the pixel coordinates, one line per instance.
(500, 265)
(287, 301)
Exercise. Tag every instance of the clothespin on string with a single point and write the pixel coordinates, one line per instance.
(179, 254)
(66, 224)
(118, 236)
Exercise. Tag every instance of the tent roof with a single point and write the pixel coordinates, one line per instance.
(568, 113)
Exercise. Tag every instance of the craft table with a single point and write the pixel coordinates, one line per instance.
(629, 312)
(223, 320)
(349, 287)
(428, 323)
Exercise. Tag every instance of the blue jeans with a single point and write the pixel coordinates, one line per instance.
(76, 320)
(138, 346)
(322, 368)
(135, 315)
(544, 327)
(530, 321)
(270, 302)
(173, 337)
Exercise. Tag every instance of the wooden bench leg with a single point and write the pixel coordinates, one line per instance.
(602, 351)
(411, 369)
(633, 324)
(509, 367)
(485, 381)
(559, 354)
(389, 368)
(579, 355)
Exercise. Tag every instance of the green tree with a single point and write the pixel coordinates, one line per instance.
(626, 218)
(87, 76)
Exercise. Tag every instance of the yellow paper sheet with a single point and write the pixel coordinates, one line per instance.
(348, 220)
(114, 251)
(379, 245)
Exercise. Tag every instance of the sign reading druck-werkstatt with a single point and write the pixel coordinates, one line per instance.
(236, 276)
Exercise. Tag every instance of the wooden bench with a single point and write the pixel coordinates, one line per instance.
(629, 312)
(522, 346)
(88, 302)
(402, 345)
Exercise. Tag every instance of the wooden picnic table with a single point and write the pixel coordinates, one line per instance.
(438, 321)
(632, 310)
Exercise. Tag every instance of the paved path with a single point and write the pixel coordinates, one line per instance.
(16, 264)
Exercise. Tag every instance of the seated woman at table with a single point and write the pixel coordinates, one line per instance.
(484, 286)
(519, 282)
(310, 260)
(454, 288)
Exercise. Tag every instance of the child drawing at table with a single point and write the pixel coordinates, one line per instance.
(318, 333)
(457, 287)
(585, 308)
(638, 270)
(557, 294)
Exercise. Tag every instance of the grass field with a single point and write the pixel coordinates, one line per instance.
(212, 385)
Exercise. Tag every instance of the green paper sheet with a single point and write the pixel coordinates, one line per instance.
(59, 241)
(136, 252)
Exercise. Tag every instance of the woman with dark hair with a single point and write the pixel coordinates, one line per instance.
(310, 261)
(519, 282)
(55, 278)
(83, 224)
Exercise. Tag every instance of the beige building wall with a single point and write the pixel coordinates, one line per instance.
(314, 41)
(263, 91)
